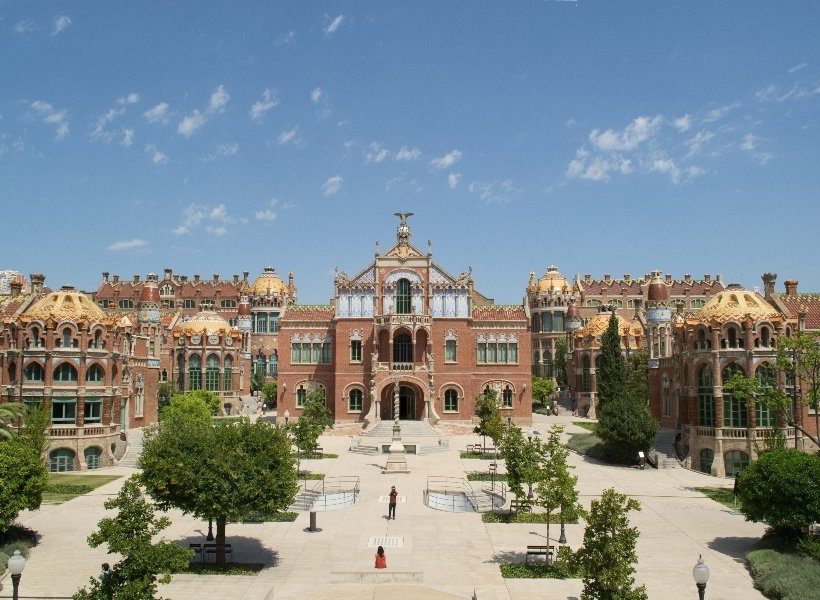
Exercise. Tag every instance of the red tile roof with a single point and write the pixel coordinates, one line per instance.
(810, 303)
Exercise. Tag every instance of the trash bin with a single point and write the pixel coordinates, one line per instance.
(312, 521)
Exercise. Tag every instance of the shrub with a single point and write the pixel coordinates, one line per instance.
(780, 573)
(626, 427)
(524, 517)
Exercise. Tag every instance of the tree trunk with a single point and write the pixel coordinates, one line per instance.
(549, 515)
(220, 540)
(793, 423)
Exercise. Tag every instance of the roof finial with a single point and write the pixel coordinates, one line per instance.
(403, 230)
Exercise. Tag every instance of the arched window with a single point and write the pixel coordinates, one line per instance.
(126, 304)
(212, 373)
(765, 337)
(507, 397)
(735, 461)
(732, 338)
(451, 401)
(403, 298)
(707, 457)
(301, 396)
(354, 400)
(228, 304)
(61, 460)
(706, 398)
(766, 376)
(94, 374)
(163, 376)
(66, 341)
(195, 372)
(536, 323)
(585, 376)
(65, 372)
(35, 341)
(34, 372)
(12, 370)
(402, 348)
(735, 413)
(227, 373)
(701, 342)
(93, 458)
(97, 343)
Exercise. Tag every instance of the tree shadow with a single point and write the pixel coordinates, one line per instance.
(509, 556)
(245, 549)
(733, 547)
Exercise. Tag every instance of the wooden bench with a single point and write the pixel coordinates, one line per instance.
(211, 549)
(546, 551)
(517, 505)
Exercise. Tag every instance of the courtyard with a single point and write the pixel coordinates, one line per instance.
(445, 554)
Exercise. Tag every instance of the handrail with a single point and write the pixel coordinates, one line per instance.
(341, 488)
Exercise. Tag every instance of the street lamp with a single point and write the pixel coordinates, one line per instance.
(509, 423)
(701, 574)
(210, 536)
(16, 565)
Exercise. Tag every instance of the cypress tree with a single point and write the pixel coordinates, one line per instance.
(612, 376)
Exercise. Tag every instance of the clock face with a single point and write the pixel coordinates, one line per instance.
(213, 339)
(196, 339)
(228, 341)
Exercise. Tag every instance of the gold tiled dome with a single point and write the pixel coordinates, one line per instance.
(737, 305)
(67, 304)
(552, 280)
(205, 322)
(268, 283)
(600, 322)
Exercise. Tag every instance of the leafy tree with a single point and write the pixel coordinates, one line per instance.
(612, 376)
(164, 393)
(555, 485)
(130, 534)
(608, 554)
(626, 427)
(211, 399)
(799, 356)
(489, 417)
(311, 423)
(223, 471)
(542, 388)
(9, 411)
(522, 460)
(637, 375)
(269, 393)
(782, 488)
(753, 390)
(257, 379)
(560, 361)
(23, 478)
(34, 434)
(188, 407)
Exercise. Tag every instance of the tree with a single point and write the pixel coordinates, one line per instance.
(555, 485)
(754, 390)
(608, 553)
(164, 393)
(522, 460)
(34, 434)
(799, 357)
(211, 399)
(560, 361)
(489, 417)
(257, 379)
(542, 388)
(626, 427)
(9, 411)
(612, 375)
(188, 407)
(637, 375)
(130, 534)
(311, 423)
(23, 478)
(269, 393)
(223, 471)
(782, 488)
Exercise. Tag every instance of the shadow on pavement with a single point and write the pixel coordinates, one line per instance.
(735, 547)
(245, 549)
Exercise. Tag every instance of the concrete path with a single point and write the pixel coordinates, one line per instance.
(452, 554)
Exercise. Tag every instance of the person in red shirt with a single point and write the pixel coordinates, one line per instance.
(391, 508)
(381, 559)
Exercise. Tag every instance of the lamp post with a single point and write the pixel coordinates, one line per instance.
(210, 536)
(16, 565)
(509, 423)
(700, 572)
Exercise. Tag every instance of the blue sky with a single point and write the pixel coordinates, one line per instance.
(603, 137)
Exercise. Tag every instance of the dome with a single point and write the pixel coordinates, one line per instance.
(205, 322)
(737, 305)
(67, 304)
(552, 281)
(268, 283)
(599, 323)
(658, 290)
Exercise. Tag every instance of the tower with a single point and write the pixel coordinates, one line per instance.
(658, 320)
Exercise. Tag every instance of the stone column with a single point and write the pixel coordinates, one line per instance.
(593, 391)
(718, 468)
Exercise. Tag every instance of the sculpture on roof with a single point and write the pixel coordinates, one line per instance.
(403, 230)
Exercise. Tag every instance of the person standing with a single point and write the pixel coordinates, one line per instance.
(391, 507)
(381, 558)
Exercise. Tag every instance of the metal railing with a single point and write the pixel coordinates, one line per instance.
(454, 487)
(328, 494)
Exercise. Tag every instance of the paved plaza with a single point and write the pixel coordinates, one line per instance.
(444, 555)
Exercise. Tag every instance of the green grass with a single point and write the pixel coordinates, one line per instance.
(63, 486)
(311, 476)
(480, 455)
(282, 517)
(319, 456)
(781, 573)
(541, 409)
(484, 476)
(723, 495)
(563, 567)
(226, 569)
(522, 517)
(588, 425)
(588, 444)
(16, 537)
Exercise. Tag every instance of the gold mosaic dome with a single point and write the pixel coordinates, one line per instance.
(268, 283)
(599, 323)
(205, 322)
(736, 304)
(552, 280)
(67, 304)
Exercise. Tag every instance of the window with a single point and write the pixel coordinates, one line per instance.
(64, 411)
(354, 400)
(585, 374)
(702, 343)
(61, 460)
(450, 349)
(766, 376)
(547, 370)
(94, 374)
(706, 398)
(125, 303)
(103, 303)
(735, 461)
(301, 396)
(402, 348)
(558, 321)
(481, 352)
(735, 413)
(35, 341)
(34, 372)
(403, 300)
(188, 303)
(355, 350)
(451, 401)
(633, 303)
(195, 372)
(616, 303)
(212, 373)
(65, 372)
(546, 321)
(265, 322)
(98, 343)
(536, 323)
(507, 398)
(765, 338)
(667, 403)
(66, 341)
(593, 302)
(707, 456)
(497, 353)
(228, 304)
(92, 410)
(30, 404)
(166, 290)
(168, 304)
(307, 353)
(697, 303)
(227, 373)
(93, 458)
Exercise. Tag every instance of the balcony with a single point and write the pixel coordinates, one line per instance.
(405, 320)
(400, 366)
(92, 429)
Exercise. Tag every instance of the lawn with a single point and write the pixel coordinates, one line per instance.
(226, 569)
(484, 476)
(719, 494)
(587, 443)
(781, 573)
(588, 425)
(62, 487)
(523, 517)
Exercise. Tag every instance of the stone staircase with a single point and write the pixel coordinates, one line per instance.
(409, 430)
(665, 449)
(134, 449)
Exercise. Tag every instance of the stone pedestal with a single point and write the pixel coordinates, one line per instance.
(396, 459)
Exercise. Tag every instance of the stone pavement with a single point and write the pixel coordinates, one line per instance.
(454, 553)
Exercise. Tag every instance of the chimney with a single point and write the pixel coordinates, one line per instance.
(768, 283)
(587, 277)
(707, 278)
(646, 277)
(116, 278)
(607, 277)
(105, 276)
(245, 276)
(627, 276)
(679, 307)
(791, 287)
(236, 278)
(168, 273)
(183, 278)
(16, 288)
(290, 278)
(136, 278)
(216, 278)
(669, 278)
(719, 279)
(688, 278)
(196, 277)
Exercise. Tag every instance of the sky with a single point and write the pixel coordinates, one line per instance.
(599, 136)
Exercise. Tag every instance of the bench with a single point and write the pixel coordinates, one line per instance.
(547, 551)
(517, 505)
(198, 552)
(211, 549)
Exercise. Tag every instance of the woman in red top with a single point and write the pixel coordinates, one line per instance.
(381, 559)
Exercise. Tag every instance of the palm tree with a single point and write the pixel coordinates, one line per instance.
(8, 412)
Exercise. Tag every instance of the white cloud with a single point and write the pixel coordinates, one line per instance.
(60, 23)
(683, 123)
(495, 192)
(408, 153)
(214, 218)
(334, 24)
(316, 95)
(50, 116)
(452, 180)
(285, 38)
(289, 136)
(676, 174)
(798, 91)
(332, 185)
(796, 68)
(158, 157)
(448, 160)
(265, 214)
(131, 98)
(127, 245)
(192, 122)
(749, 142)
(598, 167)
(127, 137)
(100, 132)
(377, 153)
(26, 26)
(158, 114)
(720, 112)
(224, 150)
(637, 132)
(268, 101)
(696, 142)
(216, 229)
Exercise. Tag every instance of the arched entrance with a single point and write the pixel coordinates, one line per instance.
(411, 403)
